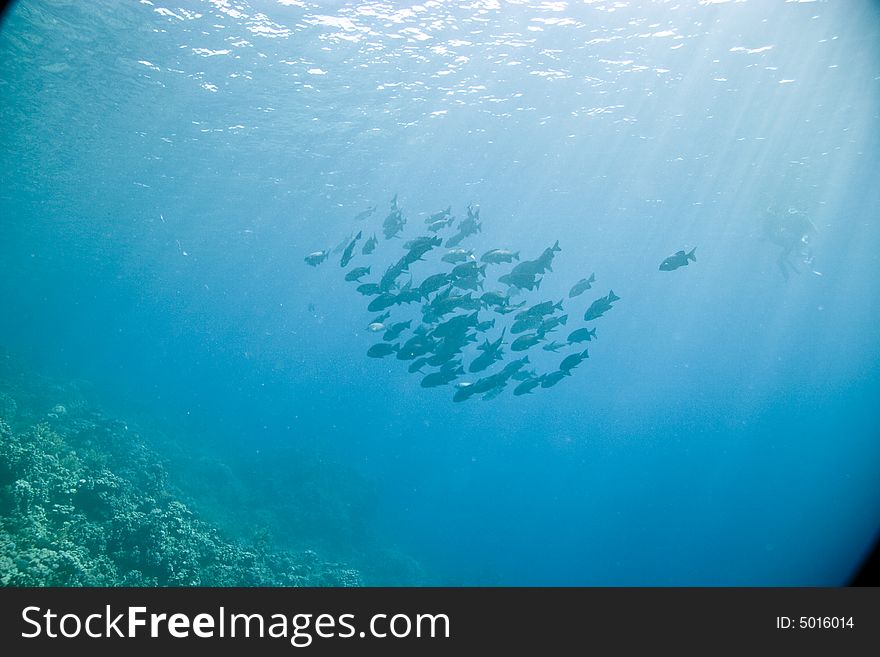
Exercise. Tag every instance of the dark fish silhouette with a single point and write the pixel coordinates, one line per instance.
(497, 256)
(360, 216)
(440, 224)
(600, 306)
(573, 360)
(368, 289)
(417, 365)
(457, 255)
(447, 374)
(581, 335)
(550, 380)
(339, 248)
(540, 265)
(382, 349)
(433, 283)
(678, 259)
(581, 286)
(539, 309)
(525, 341)
(439, 216)
(370, 245)
(526, 324)
(316, 258)
(551, 323)
(466, 227)
(521, 281)
(357, 273)
(396, 329)
(526, 387)
(394, 221)
(383, 301)
(348, 254)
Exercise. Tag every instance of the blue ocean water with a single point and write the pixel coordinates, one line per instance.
(166, 168)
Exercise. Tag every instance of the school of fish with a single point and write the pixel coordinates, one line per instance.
(459, 307)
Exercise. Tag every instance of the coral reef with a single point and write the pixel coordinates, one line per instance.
(85, 501)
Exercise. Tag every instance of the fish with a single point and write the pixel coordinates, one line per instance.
(482, 327)
(316, 258)
(375, 327)
(492, 352)
(418, 242)
(464, 392)
(505, 310)
(391, 275)
(396, 329)
(550, 380)
(540, 265)
(492, 394)
(457, 255)
(382, 349)
(581, 335)
(550, 346)
(394, 221)
(370, 245)
(514, 366)
(348, 254)
(440, 224)
(447, 374)
(494, 298)
(468, 226)
(437, 216)
(525, 341)
(339, 248)
(491, 382)
(581, 286)
(497, 256)
(458, 325)
(573, 360)
(417, 365)
(522, 375)
(539, 309)
(444, 303)
(433, 283)
(417, 345)
(551, 323)
(522, 281)
(368, 289)
(408, 294)
(471, 283)
(678, 259)
(444, 357)
(526, 387)
(600, 306)
(381, 302)
(360, 216)
(467, 269)
(419, 247)
(526, 324)
(357, 273)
